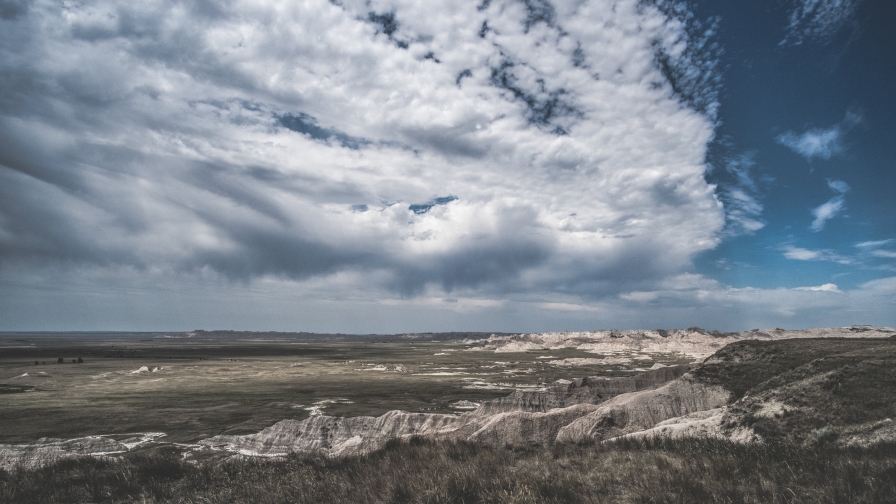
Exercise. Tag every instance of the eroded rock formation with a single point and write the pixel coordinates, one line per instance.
(807, 391)
(48, 450)
(638, 411)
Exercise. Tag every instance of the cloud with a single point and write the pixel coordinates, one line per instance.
(825, 212)
(872, 248)
(866, 249)
(802, 254)
(741, 197)
(875, 244)
(832, 207)
(824, 305)
(822, 143)
(136, 298)
(828, 287)
(332, 145)
(11, 9)
(838, 186)
(818, 20)
(730, 308)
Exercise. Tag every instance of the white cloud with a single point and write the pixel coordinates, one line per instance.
(838, 186)
(832, 207)
(822, 143)
(444, 148)
(740, 194)
(872, 248)
(732, 308)
(802, 254)
(728, 308)
(875, 244)
(743, 210)
(825, 212)
(828, 287)
(818, 20)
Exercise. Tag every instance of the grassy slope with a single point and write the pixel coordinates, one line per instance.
(820, 383)
(426, 471)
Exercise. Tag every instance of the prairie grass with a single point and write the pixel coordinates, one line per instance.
(418, 470)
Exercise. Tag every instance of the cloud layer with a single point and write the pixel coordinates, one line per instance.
(407, 146)
(818, 20)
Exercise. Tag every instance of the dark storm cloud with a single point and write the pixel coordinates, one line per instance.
(267, 250)
(11, 9)
(484, 261)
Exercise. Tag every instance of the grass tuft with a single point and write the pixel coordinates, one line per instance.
(423, 471)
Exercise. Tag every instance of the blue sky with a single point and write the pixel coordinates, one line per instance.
(399, 165)
(808, 114)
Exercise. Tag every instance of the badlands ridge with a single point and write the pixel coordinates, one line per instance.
(809, 386)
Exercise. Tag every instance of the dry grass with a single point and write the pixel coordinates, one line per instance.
(219, 386)
(441, 472)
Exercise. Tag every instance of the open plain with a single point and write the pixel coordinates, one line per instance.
(543, 416)
(190, 387)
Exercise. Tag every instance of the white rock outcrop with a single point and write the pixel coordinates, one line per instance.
(47, 450)
(639, 411)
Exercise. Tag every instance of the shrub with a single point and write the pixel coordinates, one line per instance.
(60, 361)
(822, 436)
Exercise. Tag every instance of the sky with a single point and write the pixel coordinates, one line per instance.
(391, 166)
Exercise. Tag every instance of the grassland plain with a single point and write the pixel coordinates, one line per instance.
(203, 386)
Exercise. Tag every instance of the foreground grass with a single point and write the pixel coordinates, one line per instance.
(426, 471)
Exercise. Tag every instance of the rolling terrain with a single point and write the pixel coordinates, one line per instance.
(758, 386)
(785, 420)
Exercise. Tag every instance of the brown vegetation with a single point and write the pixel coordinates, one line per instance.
(418, 470)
